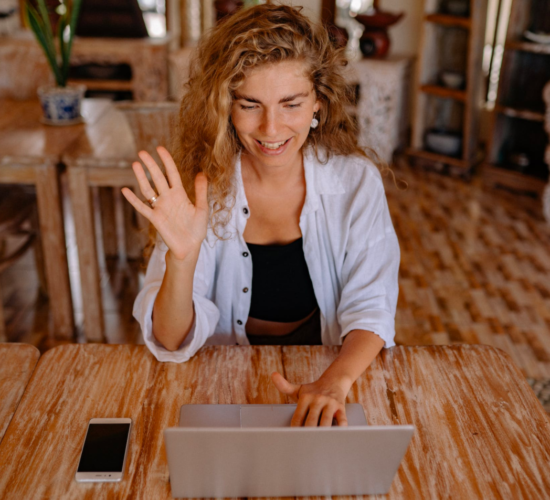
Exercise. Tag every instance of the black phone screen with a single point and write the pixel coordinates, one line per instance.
(104, 448)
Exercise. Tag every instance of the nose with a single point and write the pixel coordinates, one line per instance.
(270, 123)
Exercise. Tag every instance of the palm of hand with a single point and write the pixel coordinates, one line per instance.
(181, 224)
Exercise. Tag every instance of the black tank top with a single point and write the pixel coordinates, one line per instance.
(281, 286)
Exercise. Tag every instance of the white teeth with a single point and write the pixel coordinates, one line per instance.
(277, 145)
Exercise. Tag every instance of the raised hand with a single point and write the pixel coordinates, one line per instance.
(181, 224)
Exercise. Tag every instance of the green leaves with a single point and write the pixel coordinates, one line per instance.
(39, 22)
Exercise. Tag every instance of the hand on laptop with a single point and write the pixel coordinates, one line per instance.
(318, 403)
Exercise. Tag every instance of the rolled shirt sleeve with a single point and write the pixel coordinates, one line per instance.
(206, 312)
(370, 271)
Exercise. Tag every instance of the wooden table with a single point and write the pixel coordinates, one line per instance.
(101, 158)
(480, 431)
(17, 362)
(30, 153)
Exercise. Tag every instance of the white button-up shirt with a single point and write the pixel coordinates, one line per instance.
(350, 248)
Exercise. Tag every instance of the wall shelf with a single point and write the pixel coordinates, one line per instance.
(524, 114)
(439, 90)
(535, 48)
(450, 44)
(449, 20)
(500, 176)
(517, 120)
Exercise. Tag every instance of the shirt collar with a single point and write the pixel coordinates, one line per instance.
(320, 179)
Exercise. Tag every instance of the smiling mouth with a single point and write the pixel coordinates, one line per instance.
(272, 145)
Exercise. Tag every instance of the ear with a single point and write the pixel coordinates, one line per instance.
(316, 106)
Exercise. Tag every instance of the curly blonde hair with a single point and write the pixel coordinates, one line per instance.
(265, 34)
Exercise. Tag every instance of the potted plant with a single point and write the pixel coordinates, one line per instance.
(60, 102)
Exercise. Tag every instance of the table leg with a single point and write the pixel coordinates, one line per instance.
(55, 250)
(81, 201)
(135, 231)
(108, 222)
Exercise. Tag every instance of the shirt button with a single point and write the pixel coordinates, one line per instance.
(245, 290)
(239, 322)
(245, 254)
(245, 210)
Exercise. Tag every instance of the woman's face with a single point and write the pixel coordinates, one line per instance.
(272, 112)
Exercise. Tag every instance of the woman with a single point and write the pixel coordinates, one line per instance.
(286, 236)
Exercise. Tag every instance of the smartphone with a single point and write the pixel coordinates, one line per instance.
(105, 448)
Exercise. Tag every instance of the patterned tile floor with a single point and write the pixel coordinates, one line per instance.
(475, 268)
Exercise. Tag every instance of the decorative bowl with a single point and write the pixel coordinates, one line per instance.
(379, 19)
(452, 79)
(442, 142)
(537, 37)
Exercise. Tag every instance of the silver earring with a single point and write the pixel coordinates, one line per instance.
(314, 122)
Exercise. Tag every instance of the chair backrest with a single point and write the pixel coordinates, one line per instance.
(152, 124)
(24, 69)
(178, 64)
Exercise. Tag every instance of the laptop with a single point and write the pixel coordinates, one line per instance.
(251, 451)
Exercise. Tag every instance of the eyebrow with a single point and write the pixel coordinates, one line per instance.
(283, 100)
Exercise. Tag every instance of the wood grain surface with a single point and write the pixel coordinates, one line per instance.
(17, 362)
(24, 138)
(480, 431)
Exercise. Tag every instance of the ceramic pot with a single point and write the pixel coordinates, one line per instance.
(61, 105)
(375, 41)
(226, 8)
(452, 79)
(445, 143)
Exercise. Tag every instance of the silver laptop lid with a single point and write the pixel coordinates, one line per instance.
(254, 461)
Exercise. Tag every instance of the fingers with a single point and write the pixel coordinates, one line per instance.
(144, 185)
(327, 416)
(155, 171)
(284, 386)
(299, 414)
(341, 418)
(312, 413)
(141, 207)
(171, 170)
(201, 192)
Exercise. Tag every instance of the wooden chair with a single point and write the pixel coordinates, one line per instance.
(125, 130)
(24, 69)
(17, 219)
(152, 125)
(18, 212)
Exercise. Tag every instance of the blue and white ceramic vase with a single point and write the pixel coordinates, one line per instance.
(61, 105)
